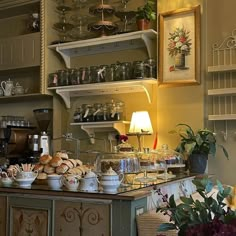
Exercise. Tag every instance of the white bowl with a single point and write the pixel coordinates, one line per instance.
(25, 182)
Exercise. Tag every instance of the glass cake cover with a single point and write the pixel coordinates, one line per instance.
(171, 157)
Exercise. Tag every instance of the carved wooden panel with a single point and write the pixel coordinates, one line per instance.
(3, 216)
(30, 222)
(82, 219)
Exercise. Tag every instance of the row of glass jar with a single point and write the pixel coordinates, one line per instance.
(112, 111)
(104, 73)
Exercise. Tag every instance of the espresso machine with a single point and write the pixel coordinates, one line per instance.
(43, 117)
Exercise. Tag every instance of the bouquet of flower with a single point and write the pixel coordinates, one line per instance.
(179, 42)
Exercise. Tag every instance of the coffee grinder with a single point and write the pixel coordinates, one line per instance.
(43, 117)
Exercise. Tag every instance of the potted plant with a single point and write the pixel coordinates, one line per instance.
(145, 14)
(197, 146)
(209, 216)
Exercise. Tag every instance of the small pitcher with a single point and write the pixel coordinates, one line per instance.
(71, 181)
(7, 87)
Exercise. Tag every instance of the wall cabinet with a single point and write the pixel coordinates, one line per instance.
(21, 49)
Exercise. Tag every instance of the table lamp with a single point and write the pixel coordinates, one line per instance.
(140, 125)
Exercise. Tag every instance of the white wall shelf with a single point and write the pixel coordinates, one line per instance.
(222, 68)
(222, 117)
(119, 42)
(117, 87)
(104, 126)
(222, 92)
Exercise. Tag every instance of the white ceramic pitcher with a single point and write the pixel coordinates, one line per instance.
(7, 87)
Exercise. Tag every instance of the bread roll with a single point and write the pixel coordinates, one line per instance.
(49, 169)
(62, 155)
(79, 162)
(56, 161)
(42, 176)
(68, 163)
(74, 163)
(75, 171)
(39, 167)
(62, 169)
(45, 159)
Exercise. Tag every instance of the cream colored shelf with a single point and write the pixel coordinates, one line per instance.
(223, 91)
(222, 117)
(119, 42)
(118, 87)
(104, 126)
(222, 68)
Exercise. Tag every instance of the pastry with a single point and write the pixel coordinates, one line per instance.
(49, 169)
(68, 163)
(74, 163)
(62, 155)
(79, 162)
(39, 167)
(62, 169)
(56, 161)
(45, 159)
(42, 176)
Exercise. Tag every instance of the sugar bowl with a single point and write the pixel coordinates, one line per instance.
(110, 181)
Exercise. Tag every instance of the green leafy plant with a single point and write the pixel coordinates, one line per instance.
(202, 141)
(147, 11)
(192, 217)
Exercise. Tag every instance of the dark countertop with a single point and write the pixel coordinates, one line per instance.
(125, 192)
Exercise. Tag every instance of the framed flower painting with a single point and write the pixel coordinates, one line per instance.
(179, 47)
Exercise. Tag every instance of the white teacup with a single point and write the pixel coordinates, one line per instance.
(71, 181)
(54, 181)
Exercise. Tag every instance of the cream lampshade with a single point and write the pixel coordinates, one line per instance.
(140, 125)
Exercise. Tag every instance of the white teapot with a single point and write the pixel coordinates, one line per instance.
(110, 181)
(89, 182)
(7, 87)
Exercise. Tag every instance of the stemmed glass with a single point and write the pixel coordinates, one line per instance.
(125, 15)
(62, 26)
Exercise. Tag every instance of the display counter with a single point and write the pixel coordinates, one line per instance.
(38, 210)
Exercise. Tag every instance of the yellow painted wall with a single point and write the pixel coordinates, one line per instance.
(184, 104)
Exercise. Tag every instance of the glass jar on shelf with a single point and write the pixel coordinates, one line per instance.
(138, 69)
(98, 113)
(150, 68)
(88, 111)
(61, 77)
(119, 111)
(78, 114)
(84, 74)
(72, 80)
(53, 80)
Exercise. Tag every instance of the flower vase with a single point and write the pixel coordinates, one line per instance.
(180, 60)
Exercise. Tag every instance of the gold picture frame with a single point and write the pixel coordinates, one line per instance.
(179, 47)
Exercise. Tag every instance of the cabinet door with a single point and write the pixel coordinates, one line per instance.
(29, 217)
(20, 51)
(5, 54)
(82, 219)
(3, 215)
